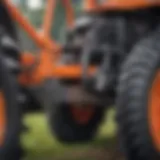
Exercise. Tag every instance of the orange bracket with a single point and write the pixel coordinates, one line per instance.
(50, 49)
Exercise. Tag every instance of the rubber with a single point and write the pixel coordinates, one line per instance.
(135, 82)
(11, 148)
(67, 130)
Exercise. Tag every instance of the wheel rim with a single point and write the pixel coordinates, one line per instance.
(154, 111)
(2, 118)
(82, 114)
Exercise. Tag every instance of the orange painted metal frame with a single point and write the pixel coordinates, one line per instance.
(108, 5)
(50, 50)
(37, 69)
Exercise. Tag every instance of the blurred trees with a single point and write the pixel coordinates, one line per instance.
(59, 27)
(36, 18)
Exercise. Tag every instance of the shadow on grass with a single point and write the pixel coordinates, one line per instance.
(40, 144)
(105, 142)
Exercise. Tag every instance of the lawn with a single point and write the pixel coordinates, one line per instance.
(40, 144)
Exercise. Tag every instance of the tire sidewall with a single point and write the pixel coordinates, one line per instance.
(12, 109)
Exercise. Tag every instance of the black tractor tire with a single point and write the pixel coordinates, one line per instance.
(136, 78)
(11, 146)
(10, 149)
(67, 130)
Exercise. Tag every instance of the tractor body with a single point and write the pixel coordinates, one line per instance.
(106, 36)
(76, 82)
(114, 5)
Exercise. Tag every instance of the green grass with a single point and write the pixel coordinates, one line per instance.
(40, 144)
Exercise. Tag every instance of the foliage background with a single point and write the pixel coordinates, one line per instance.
(36, 18)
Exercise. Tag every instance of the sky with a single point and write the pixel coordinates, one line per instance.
(33, 4)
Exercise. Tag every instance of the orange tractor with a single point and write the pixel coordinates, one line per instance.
(113, 45)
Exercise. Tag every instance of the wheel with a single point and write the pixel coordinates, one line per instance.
(10, 116)
(138, 101)
(10, 109)
(73, 123)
